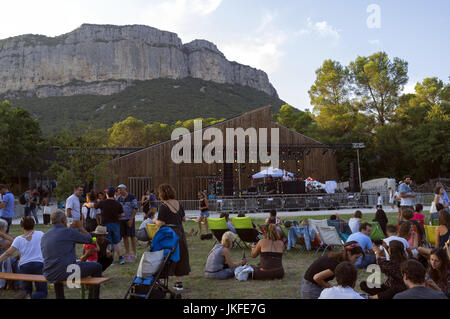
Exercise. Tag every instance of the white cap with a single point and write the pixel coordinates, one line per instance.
(121, 186)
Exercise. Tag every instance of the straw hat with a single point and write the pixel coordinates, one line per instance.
(100, 230)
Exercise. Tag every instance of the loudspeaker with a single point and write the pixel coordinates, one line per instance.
(228, 179)
(354, 180)
(296, 187)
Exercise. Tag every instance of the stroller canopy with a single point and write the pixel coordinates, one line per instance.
(166, 238)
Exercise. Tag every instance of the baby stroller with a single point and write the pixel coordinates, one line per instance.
(151, 280)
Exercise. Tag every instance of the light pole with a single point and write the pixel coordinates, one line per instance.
(359, 146)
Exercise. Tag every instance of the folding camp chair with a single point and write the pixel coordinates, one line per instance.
(430, 234)
(314, 224)
(376, 232)
(245, 231)
(341, 227)
(218, 227)
(330, 237)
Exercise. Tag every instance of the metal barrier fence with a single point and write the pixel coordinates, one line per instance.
(285, 203)
(300, 202)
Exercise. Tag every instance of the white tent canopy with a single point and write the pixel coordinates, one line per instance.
(272, 172)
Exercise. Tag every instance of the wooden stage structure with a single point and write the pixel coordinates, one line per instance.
(151, 166)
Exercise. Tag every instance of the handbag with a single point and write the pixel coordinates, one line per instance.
(150, 263)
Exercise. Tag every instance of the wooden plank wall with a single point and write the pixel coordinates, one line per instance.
(155, 161)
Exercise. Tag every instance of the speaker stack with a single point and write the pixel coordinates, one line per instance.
(228, 179)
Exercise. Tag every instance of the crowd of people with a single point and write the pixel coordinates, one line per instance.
(105, 225)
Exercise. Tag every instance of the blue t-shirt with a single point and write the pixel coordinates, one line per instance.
(8, 210)
(128, 203)
(363, 240)
(153, 201)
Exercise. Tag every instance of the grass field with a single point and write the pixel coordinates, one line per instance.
(197, 286)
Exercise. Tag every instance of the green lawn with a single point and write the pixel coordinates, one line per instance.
(196, 286)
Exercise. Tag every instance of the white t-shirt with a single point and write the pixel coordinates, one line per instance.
(403, 240)
(380, 200)
(339, 292)
(93, 212)
(73, 202)
(353, 223)
(30, 251)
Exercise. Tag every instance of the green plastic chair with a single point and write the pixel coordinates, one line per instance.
(377, 232)
(244, 229)
(218, 227)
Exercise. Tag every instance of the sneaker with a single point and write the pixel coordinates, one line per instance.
(121, 260)
(178, 286)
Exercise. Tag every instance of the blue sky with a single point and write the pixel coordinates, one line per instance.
(288, 39)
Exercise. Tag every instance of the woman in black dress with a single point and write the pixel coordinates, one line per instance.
(171, 213)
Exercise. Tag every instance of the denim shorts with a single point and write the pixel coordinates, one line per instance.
(113, 232)
(205, 213)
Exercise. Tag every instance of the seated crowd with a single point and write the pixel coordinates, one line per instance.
(412, 270)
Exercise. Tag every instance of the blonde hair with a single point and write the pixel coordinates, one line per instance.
(228, 237)
(272, 232)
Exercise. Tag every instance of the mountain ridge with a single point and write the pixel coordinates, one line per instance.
(112, 57)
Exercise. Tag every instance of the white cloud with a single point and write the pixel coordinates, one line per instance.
(375, 42)
(178, 15)
(409, 88)
(261, 48)
(322, 28)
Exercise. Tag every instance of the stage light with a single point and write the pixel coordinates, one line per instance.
(298, 161)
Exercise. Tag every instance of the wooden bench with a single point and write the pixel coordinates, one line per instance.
(87, 281)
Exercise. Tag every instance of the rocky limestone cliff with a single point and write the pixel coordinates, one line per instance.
(105, 59)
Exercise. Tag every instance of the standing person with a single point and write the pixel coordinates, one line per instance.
(391, 197)
(414, 273)
(145, 202)
(171, 213)
(6, 205)
(100, 197)
(439, 193)
(379, 201)
(407, 196)
(153, 202)
(127, 223)
(31, 261)
(322, 270)
(91, 215)
(26, 206)
(73, 210)
(58, 251)
(34, 202)
(204, 212)
(111, 212)
(363, 238)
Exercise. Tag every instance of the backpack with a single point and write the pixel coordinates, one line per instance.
(22, 199)
(91, 223)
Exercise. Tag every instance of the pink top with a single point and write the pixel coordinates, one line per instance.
(419, 217)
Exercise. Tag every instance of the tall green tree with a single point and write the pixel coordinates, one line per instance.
(21, 142)
(378, 83)
(78, 160)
